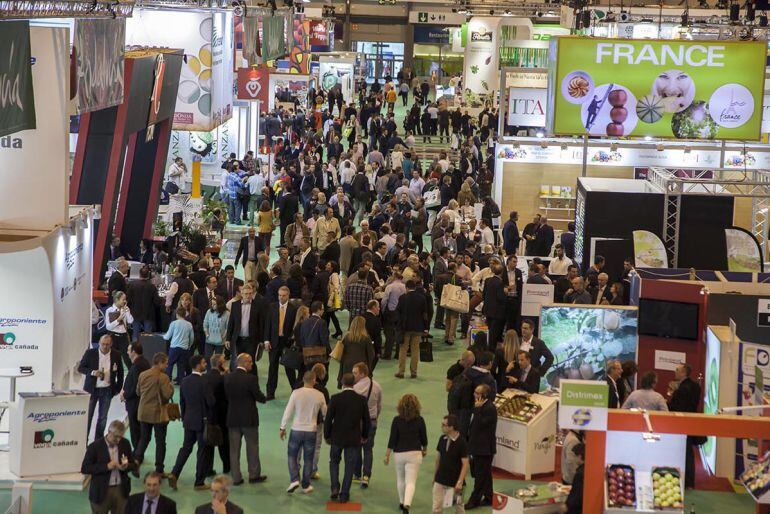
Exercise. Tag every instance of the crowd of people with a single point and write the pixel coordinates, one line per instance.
(364, 226)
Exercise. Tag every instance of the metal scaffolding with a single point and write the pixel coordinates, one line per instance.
(737, 183)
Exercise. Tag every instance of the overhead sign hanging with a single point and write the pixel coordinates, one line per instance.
(659, 88)
(17, 99)
(273, 37)
(583, 404)
(98, 52)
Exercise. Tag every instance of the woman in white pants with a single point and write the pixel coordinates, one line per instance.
(408, 441)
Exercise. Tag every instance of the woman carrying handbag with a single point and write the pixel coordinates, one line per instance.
(334, 301)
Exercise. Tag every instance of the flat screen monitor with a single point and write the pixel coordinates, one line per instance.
(673, 320)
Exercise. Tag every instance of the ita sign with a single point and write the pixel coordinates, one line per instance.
(583, 404)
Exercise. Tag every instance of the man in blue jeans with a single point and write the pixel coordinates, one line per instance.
(305, 403)
(372, 392)
(346, 428)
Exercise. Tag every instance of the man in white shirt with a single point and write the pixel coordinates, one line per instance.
(369, 389)
(560, 263)
(117, 320)
(416, 184)
(487, 235)
(255, 182)
(304, 404)
(177, 173)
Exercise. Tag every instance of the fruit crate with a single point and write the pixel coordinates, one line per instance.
(667, 489)
(620, 487)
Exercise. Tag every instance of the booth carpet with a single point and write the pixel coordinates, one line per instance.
(381, 497)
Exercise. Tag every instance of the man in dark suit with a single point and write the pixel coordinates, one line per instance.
(199, 275)
(242, 391)
(495, 296)
(108, 460)
(686, 398)
(104, 379)
(245, 337)
(195, 401)
(128, 394)
(614, 371)
(600, 293)
(203, 298)
(374, 328)
(150, 500)
(143, 299)
(378, 259)
(215, 377)
(279, 324)
(145, 252)
(539, 354)
(229, 285)
(482, 446)
(117, 281)
(346, 427)
(251, 246)
(414, 322)
(308, 259)
(526, 377)
(219, 504)
(544, 238)
(288, 207)
(514, 281)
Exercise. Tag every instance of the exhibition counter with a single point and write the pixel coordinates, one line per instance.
(535, 499)
(526, 433)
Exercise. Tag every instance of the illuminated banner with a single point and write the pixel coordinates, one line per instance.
(17, 99)
(660, 88)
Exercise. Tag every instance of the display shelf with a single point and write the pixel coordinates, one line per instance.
(558, 197)
(547, 208)
(756, 480)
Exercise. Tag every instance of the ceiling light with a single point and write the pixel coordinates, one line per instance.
(647, 138)
(540, 133)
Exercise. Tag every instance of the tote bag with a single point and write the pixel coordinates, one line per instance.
(455, 298)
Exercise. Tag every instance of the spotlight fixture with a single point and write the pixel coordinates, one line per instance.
(705, 290)
(491, 12)
(540, 133)
(647, 138)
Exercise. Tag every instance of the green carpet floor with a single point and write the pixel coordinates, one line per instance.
(381, 497)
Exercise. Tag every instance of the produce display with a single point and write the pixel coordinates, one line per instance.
(757, 477)
(518, 408)
(621, 486)
(667, 488)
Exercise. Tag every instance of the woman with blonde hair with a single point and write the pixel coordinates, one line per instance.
(466, 196)
(505, 358)
(452, 211)
(263, 260)
(408, 442)
(265, 224)
(357, 347)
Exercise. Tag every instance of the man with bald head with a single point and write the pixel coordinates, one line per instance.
(242, 392)
(577, 293)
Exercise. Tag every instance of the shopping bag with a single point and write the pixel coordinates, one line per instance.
(337, 352)
(432, 198)
(454, 298)
(426, 350)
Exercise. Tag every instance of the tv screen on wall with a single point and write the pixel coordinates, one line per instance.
(673, 320)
